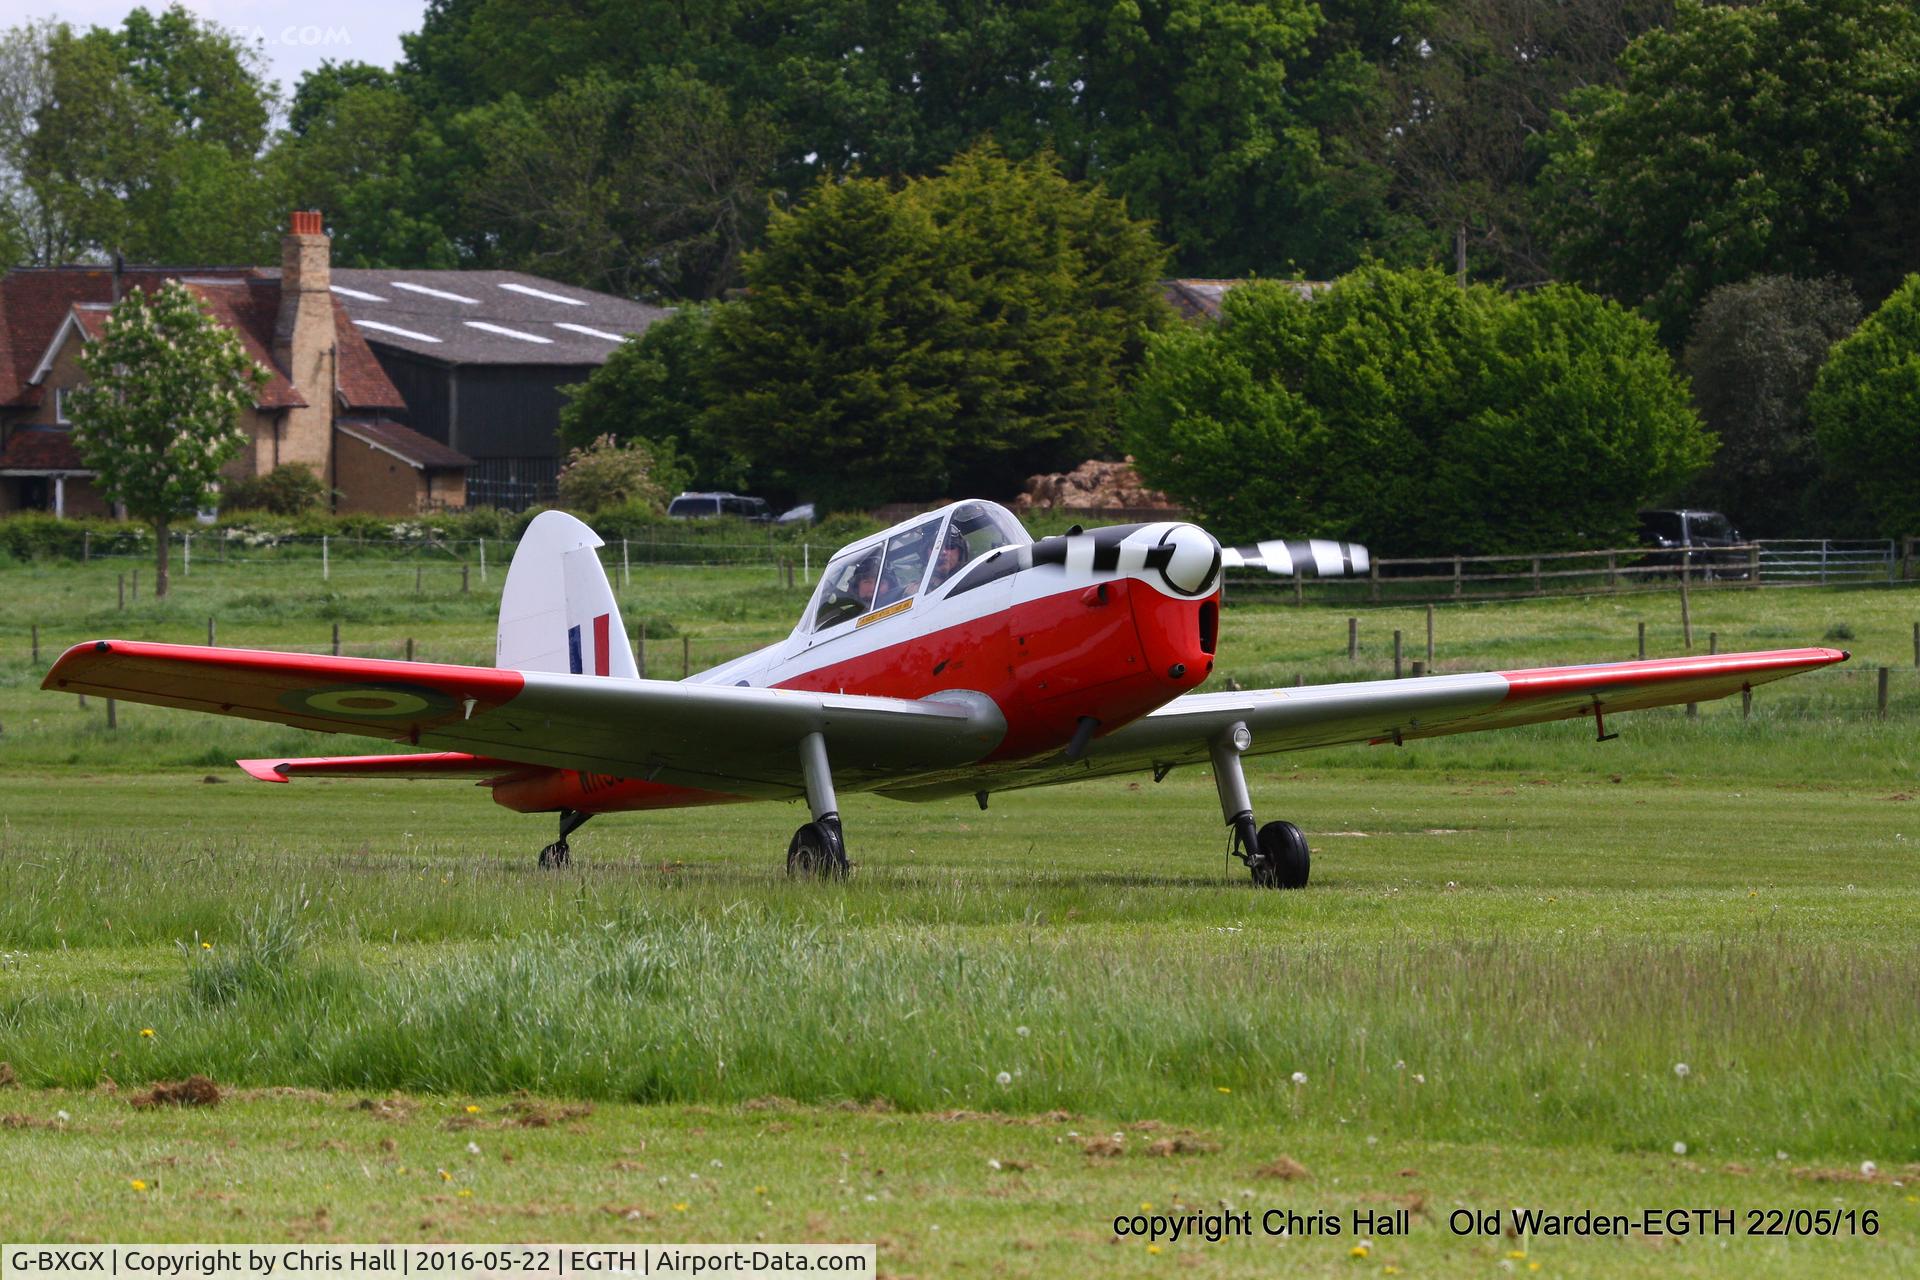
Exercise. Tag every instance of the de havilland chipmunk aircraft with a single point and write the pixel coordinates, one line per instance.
(951, 655)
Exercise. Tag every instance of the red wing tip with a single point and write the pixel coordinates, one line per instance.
(264, 770)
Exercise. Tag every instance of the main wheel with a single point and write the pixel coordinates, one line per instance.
(555, 855)
(816, 852)
(1284, 857)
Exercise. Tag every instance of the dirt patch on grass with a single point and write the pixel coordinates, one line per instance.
(14, 1120)
(1103, 1148)
(7, 1079)
(1285, 1168)
(525, 1113)
(394, 1108)
(1182, 1144)
(194, 1091)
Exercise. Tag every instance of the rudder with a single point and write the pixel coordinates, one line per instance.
(557, 612)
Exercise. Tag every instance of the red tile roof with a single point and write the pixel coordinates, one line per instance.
(40, 449)
(34, 302)
(404, 442)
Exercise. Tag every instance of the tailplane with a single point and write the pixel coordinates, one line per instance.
(557, 612)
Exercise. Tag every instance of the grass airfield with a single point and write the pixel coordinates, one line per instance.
(1511, 941)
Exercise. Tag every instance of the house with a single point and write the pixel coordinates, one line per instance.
(480, 358)
(1199, 300)
(326, 402)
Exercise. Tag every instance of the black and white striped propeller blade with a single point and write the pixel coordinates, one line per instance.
(1316, 557)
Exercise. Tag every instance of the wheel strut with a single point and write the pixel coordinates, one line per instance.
(557, 855)
(1276, 854)
(819, 848)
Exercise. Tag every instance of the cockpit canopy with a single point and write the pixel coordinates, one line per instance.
(917, 556)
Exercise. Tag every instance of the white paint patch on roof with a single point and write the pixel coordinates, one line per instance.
(589, 331)
(395, 329)
(532, 292)
(436, 293)
(505, 332)
(345, 292)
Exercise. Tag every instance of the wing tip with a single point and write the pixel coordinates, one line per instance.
(264, 770)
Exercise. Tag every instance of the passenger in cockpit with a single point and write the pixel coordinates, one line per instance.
(953, 554)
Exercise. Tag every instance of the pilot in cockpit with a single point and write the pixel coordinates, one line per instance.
(953, 554)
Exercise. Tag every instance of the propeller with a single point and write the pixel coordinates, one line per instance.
(1320, 557)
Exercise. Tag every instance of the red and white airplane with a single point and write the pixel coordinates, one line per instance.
(950, 655)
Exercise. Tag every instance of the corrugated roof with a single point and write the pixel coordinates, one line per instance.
(488, 317)
(403, 442)
(36, 301)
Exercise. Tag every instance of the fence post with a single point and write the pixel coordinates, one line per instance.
(1823, 562)
(419, 572)
(36, 643)
(326, 567)
(1906, 560)
(806, 563)
(409, 648)
(1883, 693)
(186, 555)
(1373, 572)
(1396, 655)
(1746, 702)
(1457, 573)
(1916, 644)
(483, 559)
(336, 639)
(1686, 603)
(86, 545)
(1613, 571)
(136, 584)
(1429, 637)
(1353, 639)
(625, 574)
(640, 656)
(1419, 668)
(686, 656)
(1643, 642)
(123, 591)
(210, 633)
(1536, 575)
(113, 718)
(1299, 596)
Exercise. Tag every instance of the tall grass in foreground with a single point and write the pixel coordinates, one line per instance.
(1792, 1046)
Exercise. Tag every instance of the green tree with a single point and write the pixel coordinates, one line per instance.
(947, 336)
(1866, 412)
(659, 387)
(658, 185)
(159, 412)
(1774, 137)
(1753, 354)
(1400, 410)
(148, 141)
(613, 473)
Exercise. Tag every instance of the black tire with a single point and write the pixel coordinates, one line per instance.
(555, 856)
(816, 853)
(1285, 860)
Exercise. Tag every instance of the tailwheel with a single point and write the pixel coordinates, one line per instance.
(1283, 860)
(817, 852)
(557, 855)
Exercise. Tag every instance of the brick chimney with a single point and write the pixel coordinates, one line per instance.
(303, 346)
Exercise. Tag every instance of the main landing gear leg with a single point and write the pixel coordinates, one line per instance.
(817, 850)
(556, 855)
(1275, 854)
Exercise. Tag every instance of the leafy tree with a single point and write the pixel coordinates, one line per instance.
(159, 412)
(287, 490)
(658, 185)
(613, 473)
(1460, 111)
(1401, 410)
(37, 225)
(1752, 356)
(659, 387)
(1866, 412)
(944, 337)
(1776, 137)
(142, 132)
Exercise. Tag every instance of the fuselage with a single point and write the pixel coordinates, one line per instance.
(1101, 626)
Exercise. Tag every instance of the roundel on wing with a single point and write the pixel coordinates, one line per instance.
(369, 701)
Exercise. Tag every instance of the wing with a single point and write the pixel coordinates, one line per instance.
(1381, 711)
(407, 765)
(711, 737)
